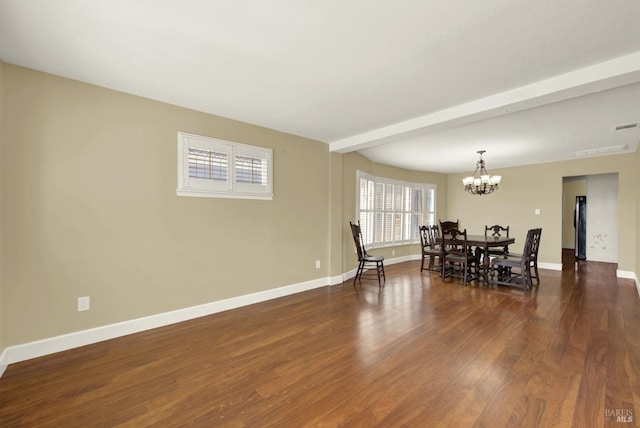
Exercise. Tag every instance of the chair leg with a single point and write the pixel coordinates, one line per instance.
(526, 277)
(465, 269)
(358, 272)
(422, 265)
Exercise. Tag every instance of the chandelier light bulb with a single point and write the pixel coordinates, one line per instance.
(481, 182)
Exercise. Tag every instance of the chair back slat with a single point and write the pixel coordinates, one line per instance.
(425, 238)
(358, 241)
(529, 243)
(535, 242)
(457, 240)
(434, 235)
(496, 230)
(445, 226)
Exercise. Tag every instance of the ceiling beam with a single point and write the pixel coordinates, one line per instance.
(599, 77)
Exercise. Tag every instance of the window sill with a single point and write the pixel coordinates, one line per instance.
(227, 195)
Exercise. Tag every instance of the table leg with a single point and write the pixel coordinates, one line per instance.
(485, 265)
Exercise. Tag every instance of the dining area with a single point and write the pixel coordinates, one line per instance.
(485, 258)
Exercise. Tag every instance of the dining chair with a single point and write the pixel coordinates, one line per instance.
(533, 257)
(458, 259)
(365, 260)
(502, 267)
(430, 246)
(500, 231)
(445, 226)
(533, 263)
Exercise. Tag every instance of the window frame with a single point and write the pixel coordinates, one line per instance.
(384, 211)
(232, 186)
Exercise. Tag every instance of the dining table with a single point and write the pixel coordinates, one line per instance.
(482, 243)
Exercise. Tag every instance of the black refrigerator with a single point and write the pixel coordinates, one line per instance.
(580, 223)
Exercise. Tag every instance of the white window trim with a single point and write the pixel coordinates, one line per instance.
(426, 186)
(189, 186)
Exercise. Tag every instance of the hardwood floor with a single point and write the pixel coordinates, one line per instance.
(419, 352)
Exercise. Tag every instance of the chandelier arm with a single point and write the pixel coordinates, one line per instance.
(483, 187)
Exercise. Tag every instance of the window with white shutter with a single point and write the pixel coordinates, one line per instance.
(390, 211)
(209, 167)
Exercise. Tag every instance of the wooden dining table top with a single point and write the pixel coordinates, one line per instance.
(480, 241)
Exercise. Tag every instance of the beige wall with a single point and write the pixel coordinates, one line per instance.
(90, 179)
(353, 162)
(526, 188)
(336, 188)
(637, 217)
(2, 184)
(88, 207)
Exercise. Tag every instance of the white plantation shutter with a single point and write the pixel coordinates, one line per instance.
(252, 167)
(391, 211)
(223, 169)
(251, 170)
(208, 165)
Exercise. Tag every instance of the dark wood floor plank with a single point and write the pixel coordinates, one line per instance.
(418, 352)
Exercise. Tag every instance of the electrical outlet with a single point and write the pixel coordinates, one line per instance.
(317, 264)
(84, 303)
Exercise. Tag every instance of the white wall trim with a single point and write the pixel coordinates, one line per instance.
(4, 361)
(629, 275)
(626, 274)
(26, 351)
(550, 266)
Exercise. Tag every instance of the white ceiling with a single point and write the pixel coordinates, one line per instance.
(420, 84)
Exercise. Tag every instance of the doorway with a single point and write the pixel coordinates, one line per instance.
(601, 191)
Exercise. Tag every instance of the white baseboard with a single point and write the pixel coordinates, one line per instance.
(626, 274)
(629, 275)
(4, 361)
(388, 262)
(550, 266)
(26, 351)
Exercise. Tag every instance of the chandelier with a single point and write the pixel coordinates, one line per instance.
(481, 183)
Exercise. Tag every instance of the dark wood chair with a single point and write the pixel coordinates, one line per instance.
(533, 262)
(458, 257)
(366, 261)
(429, 236)
(445, 226)
(502, 267)
(497, 230)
